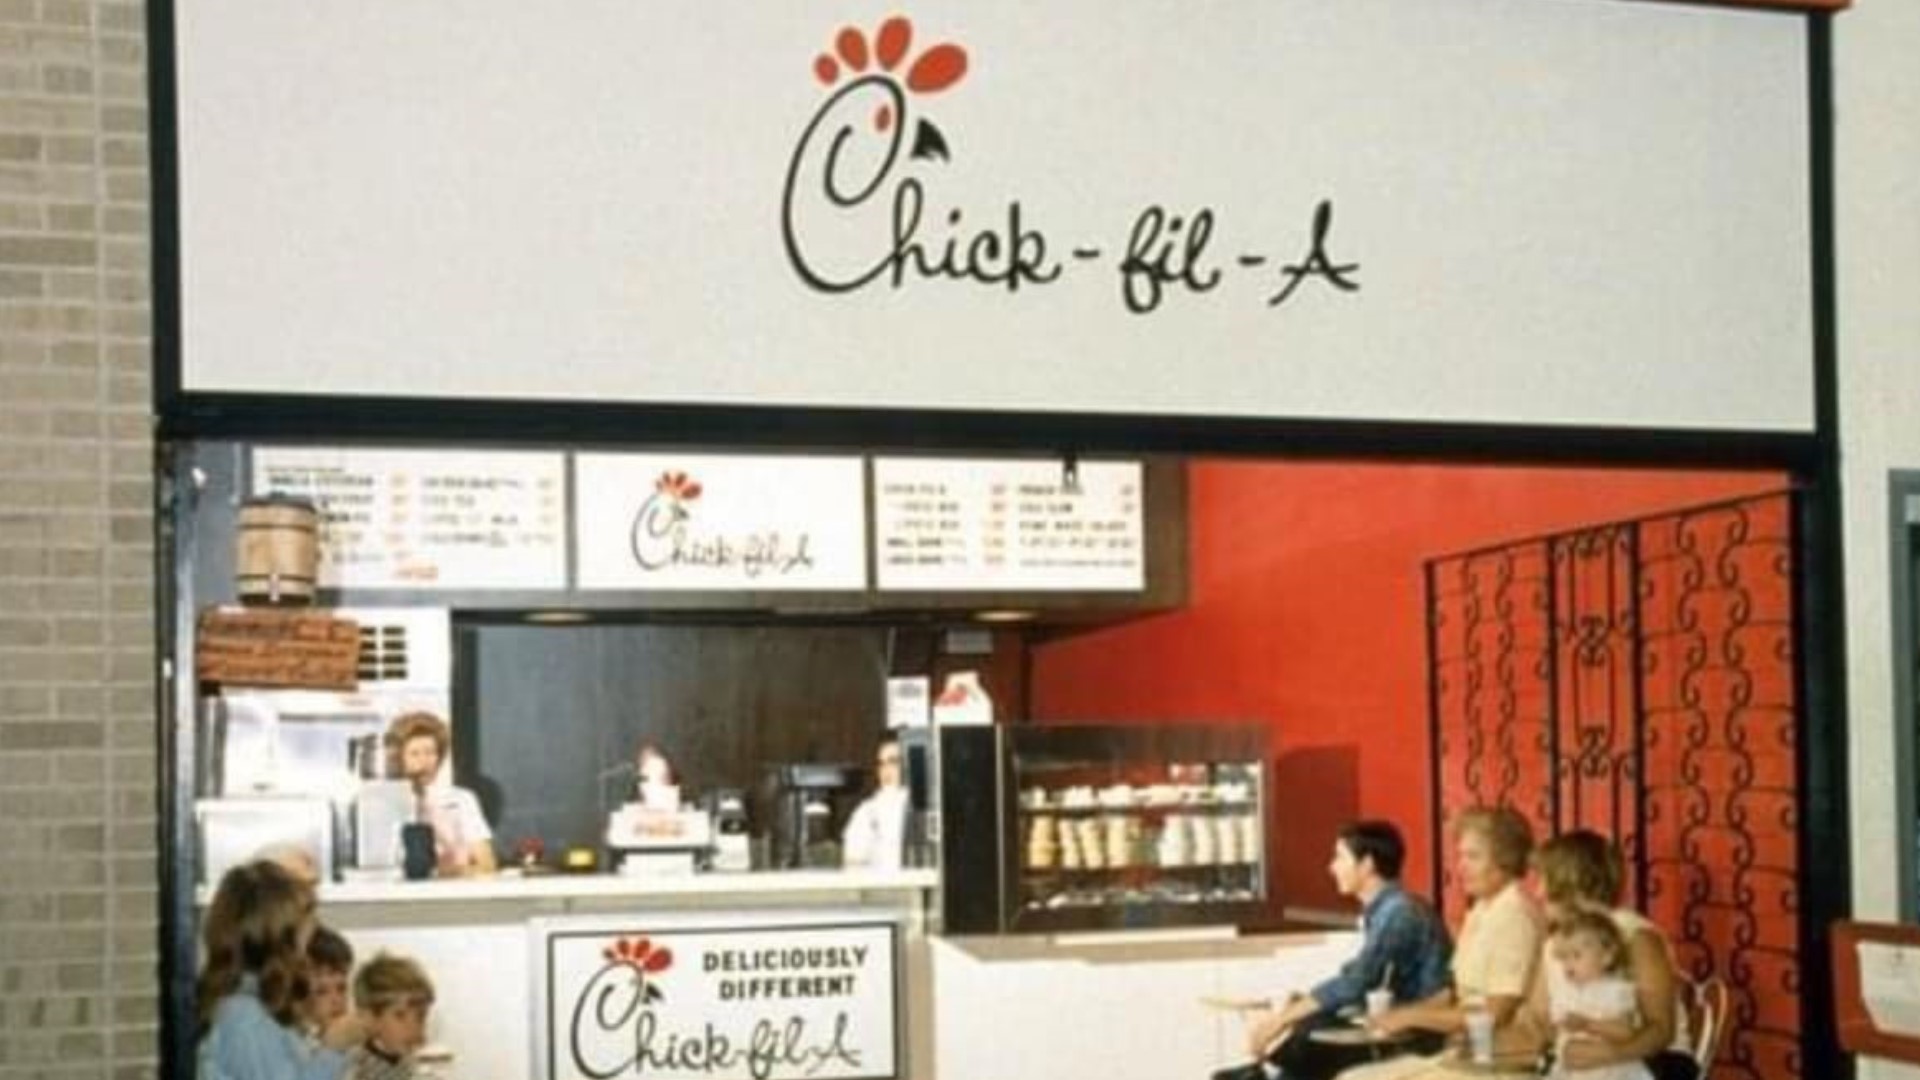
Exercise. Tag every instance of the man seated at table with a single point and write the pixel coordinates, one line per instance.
(1404, 950)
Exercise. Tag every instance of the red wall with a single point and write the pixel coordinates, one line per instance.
(1305, 612)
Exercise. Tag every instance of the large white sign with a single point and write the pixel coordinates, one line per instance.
(428, 519)
(1448, 210)
(753, 1003)
(963, 524)
(719, 521)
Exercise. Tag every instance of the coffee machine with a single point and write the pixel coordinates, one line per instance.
(809, 809)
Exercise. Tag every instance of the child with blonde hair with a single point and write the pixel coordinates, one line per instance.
(1590, 992)
(393, 996)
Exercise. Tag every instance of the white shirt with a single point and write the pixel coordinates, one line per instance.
(457, 823)
(1610, 998)
(876, 833)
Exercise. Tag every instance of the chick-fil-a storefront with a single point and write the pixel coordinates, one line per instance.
(1490, 231)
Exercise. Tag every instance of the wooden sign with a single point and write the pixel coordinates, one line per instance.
(277, 648)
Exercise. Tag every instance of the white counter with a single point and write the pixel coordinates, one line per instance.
(1120, 1005)
(478, 939)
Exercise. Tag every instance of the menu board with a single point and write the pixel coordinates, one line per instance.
(954, 524)
(428, 519)
(720, 521)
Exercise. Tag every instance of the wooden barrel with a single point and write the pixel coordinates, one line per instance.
(277, 556)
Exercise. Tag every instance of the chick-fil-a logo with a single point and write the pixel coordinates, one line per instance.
(662, 536)
(866, 138)
(614, 1029)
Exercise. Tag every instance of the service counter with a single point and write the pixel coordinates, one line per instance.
(513, 959)
(530, 967)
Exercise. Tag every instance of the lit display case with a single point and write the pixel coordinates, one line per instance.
(1062, 828)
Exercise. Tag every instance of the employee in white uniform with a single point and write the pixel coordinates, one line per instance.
(463, 842)
(876, 832)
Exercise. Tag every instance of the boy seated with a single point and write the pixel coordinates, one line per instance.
(393, 996)
(329, 963)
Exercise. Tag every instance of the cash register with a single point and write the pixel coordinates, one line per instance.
(656, 835)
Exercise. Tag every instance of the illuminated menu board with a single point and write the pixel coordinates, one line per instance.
(961, 524)
(428, 519)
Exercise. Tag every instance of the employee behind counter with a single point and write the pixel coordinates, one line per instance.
(876, 831)
(463, 842)
(875, 834)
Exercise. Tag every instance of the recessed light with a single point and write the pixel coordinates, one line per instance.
(556, 617)
(1003, 616)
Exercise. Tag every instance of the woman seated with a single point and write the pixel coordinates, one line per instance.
(1583, 871)
(1498, 947)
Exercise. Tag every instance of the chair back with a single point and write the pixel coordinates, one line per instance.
(1708, 1005)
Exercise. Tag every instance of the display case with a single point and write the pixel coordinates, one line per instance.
(1083, 827)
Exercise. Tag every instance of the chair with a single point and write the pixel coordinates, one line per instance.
(1707, 1008)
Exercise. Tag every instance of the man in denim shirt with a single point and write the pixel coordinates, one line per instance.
(1405, 949)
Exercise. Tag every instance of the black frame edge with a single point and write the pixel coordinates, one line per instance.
(163, 159)
(1825, 833)
(348, 419)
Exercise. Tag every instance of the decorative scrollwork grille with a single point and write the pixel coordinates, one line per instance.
(1638, 678)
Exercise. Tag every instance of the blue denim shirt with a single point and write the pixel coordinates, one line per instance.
(1401, 930)
(245, 1042)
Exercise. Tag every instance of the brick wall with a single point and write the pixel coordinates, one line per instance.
(78, 945)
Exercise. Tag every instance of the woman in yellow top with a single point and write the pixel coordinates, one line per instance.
(1498, 945)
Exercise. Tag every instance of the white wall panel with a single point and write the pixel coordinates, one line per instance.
(1572, 213)
(1877, 134)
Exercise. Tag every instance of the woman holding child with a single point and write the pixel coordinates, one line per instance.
(262, 1015)
(253, 985)
(1581, 872)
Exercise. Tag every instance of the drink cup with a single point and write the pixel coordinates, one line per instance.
(1480, 1037)
(418, 848)
(1378, 1002)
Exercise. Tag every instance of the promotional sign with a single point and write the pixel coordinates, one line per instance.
(428, 519)
(958, 524)
(717, 521)
(1450, 210)
(264, 647)
(753, 1003)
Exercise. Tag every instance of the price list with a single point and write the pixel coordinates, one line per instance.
(951, 524)
(412, 519)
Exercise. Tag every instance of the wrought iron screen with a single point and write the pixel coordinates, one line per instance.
(1638, 678)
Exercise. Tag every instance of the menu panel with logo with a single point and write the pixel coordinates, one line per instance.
(720, 522)
(957, 524)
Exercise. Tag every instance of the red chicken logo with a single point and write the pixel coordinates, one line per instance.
(645, 960)
(677, 486)
(854, 54)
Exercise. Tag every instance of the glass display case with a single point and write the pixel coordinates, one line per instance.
(1058, 828)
